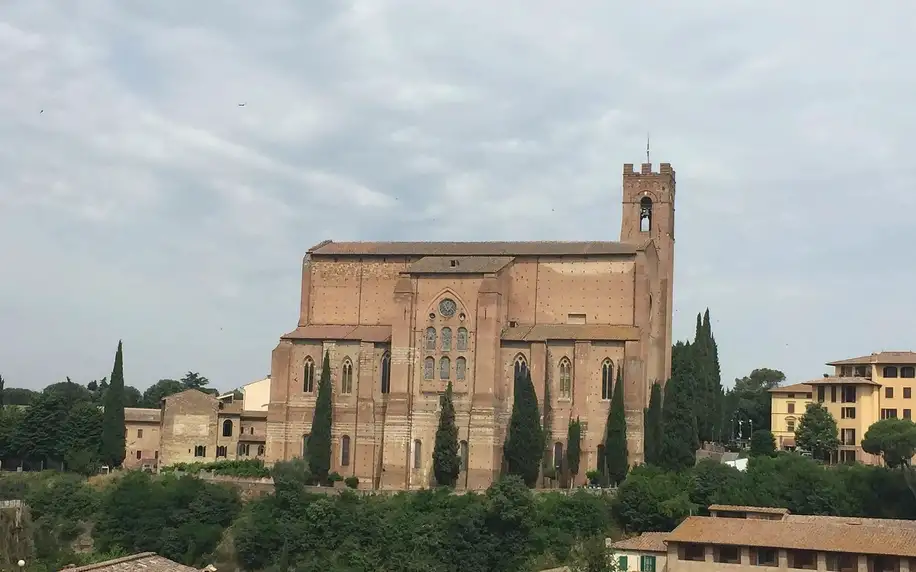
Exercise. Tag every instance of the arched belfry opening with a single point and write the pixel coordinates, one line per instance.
(645, 214)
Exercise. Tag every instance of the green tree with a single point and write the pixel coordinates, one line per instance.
(893, 439)
(573, 448)
(749, 400)
(763, 443)
(18, 396)
(2, 387)
(318, 448)
(111, 449)
(615, 439)
(652, 499)
(550, 467)
(446, 462)
(525, 446)
(593, 556)
(653, 425)
(679, 443)
(154, 394)
(81, 438)
(193, 380)
(817, 432)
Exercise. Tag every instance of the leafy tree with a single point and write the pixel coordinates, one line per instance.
(763, 443)
(615, 440)
(573, 448)
(748, 403)
(193, 380)
(69, 390)
(18, 396)
(154, 394)
(652, 499)
(2, 387)
(10, 418)
(446, 462)
(679, 443)
(39, 433)
(81, 438)
(593, 556)
(547, 456)
(712, 481)
(893, 439)
(112, 444)
(318, 448)
(653, 425)
(817, 432)
(525, 445)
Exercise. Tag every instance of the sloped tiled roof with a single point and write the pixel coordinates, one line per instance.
(906, 357)
(142, 415)
(830, 379)
(143, 562)
(743, 508)
(821, 535)
(794, 388)
(645, 542)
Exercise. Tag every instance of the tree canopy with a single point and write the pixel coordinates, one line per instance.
(893, 439)
(817, 432)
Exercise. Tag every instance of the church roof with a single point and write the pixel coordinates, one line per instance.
(537, 248)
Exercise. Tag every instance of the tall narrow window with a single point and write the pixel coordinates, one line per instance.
(557, 455)
(461, 366)
(565, 379)
(431, 338)
(227, 428)
(346, 377)
(462, 339)
(446, 339)
(345, 451)
(463, 455)
(386, 373)
(445, 368)
(417, 454)
(429, 368)
(305, 445)
(607, 379)
(645, 214)
(600, 462)
(308, 376)
(521, 364)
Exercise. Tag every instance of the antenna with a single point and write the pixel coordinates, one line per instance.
(647, 148)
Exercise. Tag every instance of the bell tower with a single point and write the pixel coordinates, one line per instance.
(648, 214)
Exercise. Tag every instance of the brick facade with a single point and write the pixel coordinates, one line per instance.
(565, 310)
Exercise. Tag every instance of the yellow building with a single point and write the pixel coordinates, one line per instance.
(861, 391)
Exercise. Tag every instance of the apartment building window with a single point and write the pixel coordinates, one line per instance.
(243, 449)
(139, 433)
(890, 371)
(889, 392)
(139, 455)
(622, 562)
(832, 394)
(846, 371)
(907, 414)
(907, 392)
(848, 413)
(156, 455)
(693, 552)
(842, 562)
(728, 554)
(908, 371)
(791, 407)
(847, 457)
(646, 563)
(222, 451)
(820, 393)
(790, 425)
(808, 395)
(200, 451)
(790, 395)
(764, 557)
(888, 414)
(802, 559)
(848, 437)
(849, 394)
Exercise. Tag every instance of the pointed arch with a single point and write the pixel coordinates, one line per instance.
(607, 378)
(346, 376)
(386, 373)
(521, 364)
(308, 375)
(645, 214)
(433, 307)
(565, 367)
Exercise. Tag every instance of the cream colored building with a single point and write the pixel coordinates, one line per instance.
(644, 553)
(860, 392)
(141, 438)
(402, 320)
(754, 538)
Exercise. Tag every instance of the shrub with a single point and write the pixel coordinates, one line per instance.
(352, 482)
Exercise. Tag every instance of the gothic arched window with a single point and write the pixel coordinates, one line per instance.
(462, 339)
(461, 366)
(445, 368)
(565, 378)
(429, 368)
(431, 339)
(346, 377)
(386, 373)
(645, 214)
(607, 379)
(521, 364)
(308, 376)
(446, 339)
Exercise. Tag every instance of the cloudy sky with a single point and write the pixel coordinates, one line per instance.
(139, 200)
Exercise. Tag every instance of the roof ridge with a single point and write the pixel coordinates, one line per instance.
(111, 562)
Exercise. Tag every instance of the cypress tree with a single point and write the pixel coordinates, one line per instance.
(653, 426)
(615, 440)
(679, 443)
(546, 466)
(111, 447)
(525, 445)
(446, 460)
(715, 393)
(573, 448)
(318, 448)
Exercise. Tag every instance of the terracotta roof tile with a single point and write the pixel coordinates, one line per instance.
(794, 388)
(744, 508)
(542, 248)
(143, 562)
(647, 542)
(142, 415)
(907, 358)
(825, 536)
(847, 380)
(342, 332)
(544, 332)
(459, 264)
